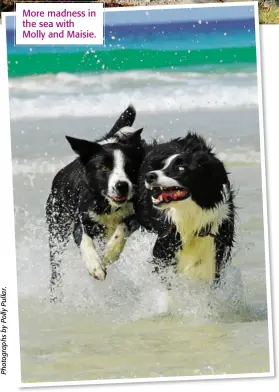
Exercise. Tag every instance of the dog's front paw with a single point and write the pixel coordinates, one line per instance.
(98, 272)
(116, 244)
(112, 254)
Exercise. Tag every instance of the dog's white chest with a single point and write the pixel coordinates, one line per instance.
(112, 220)
(196, 259)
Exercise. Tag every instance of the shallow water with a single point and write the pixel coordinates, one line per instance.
(128, 326)
(71, 347)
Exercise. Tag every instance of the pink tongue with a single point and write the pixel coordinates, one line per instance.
(119, 198)
(174, 195)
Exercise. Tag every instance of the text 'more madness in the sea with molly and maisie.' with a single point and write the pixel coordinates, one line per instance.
(64, 24)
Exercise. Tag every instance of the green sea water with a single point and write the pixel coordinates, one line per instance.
(131, 59)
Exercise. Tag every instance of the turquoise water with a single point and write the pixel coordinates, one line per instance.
(169, 64)
(203, 46)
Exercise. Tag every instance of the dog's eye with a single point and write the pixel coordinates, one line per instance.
(181, 168)
(105, 169)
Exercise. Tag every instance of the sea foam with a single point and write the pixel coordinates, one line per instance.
(67, 95)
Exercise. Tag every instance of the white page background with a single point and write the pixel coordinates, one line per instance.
(270, 80)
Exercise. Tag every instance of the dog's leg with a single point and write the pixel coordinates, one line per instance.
(83, 236)
(164, 251)
(92, 259)
(224, 242)
(116, 244)
(118, 240)
(164, 262)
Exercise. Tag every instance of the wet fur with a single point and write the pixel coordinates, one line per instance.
(195, 236)
(77, 204)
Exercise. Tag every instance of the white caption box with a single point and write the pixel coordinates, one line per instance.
(59, 24)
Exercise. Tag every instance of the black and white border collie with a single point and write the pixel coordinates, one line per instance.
(186, 198)
(91, 195)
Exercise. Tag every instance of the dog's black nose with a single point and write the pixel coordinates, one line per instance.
(122, 188)
(151, 177)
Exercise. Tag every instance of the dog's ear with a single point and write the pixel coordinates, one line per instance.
(193, 142)
(132, 138)
(126, 119)
(84, 148)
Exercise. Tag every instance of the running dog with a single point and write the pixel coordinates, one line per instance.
(91, 195)
(186, 198)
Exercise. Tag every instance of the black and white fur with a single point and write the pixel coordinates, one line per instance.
(195, 233)
(91, 195)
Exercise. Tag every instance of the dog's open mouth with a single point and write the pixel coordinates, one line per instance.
(119, 199)
(161, 195)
